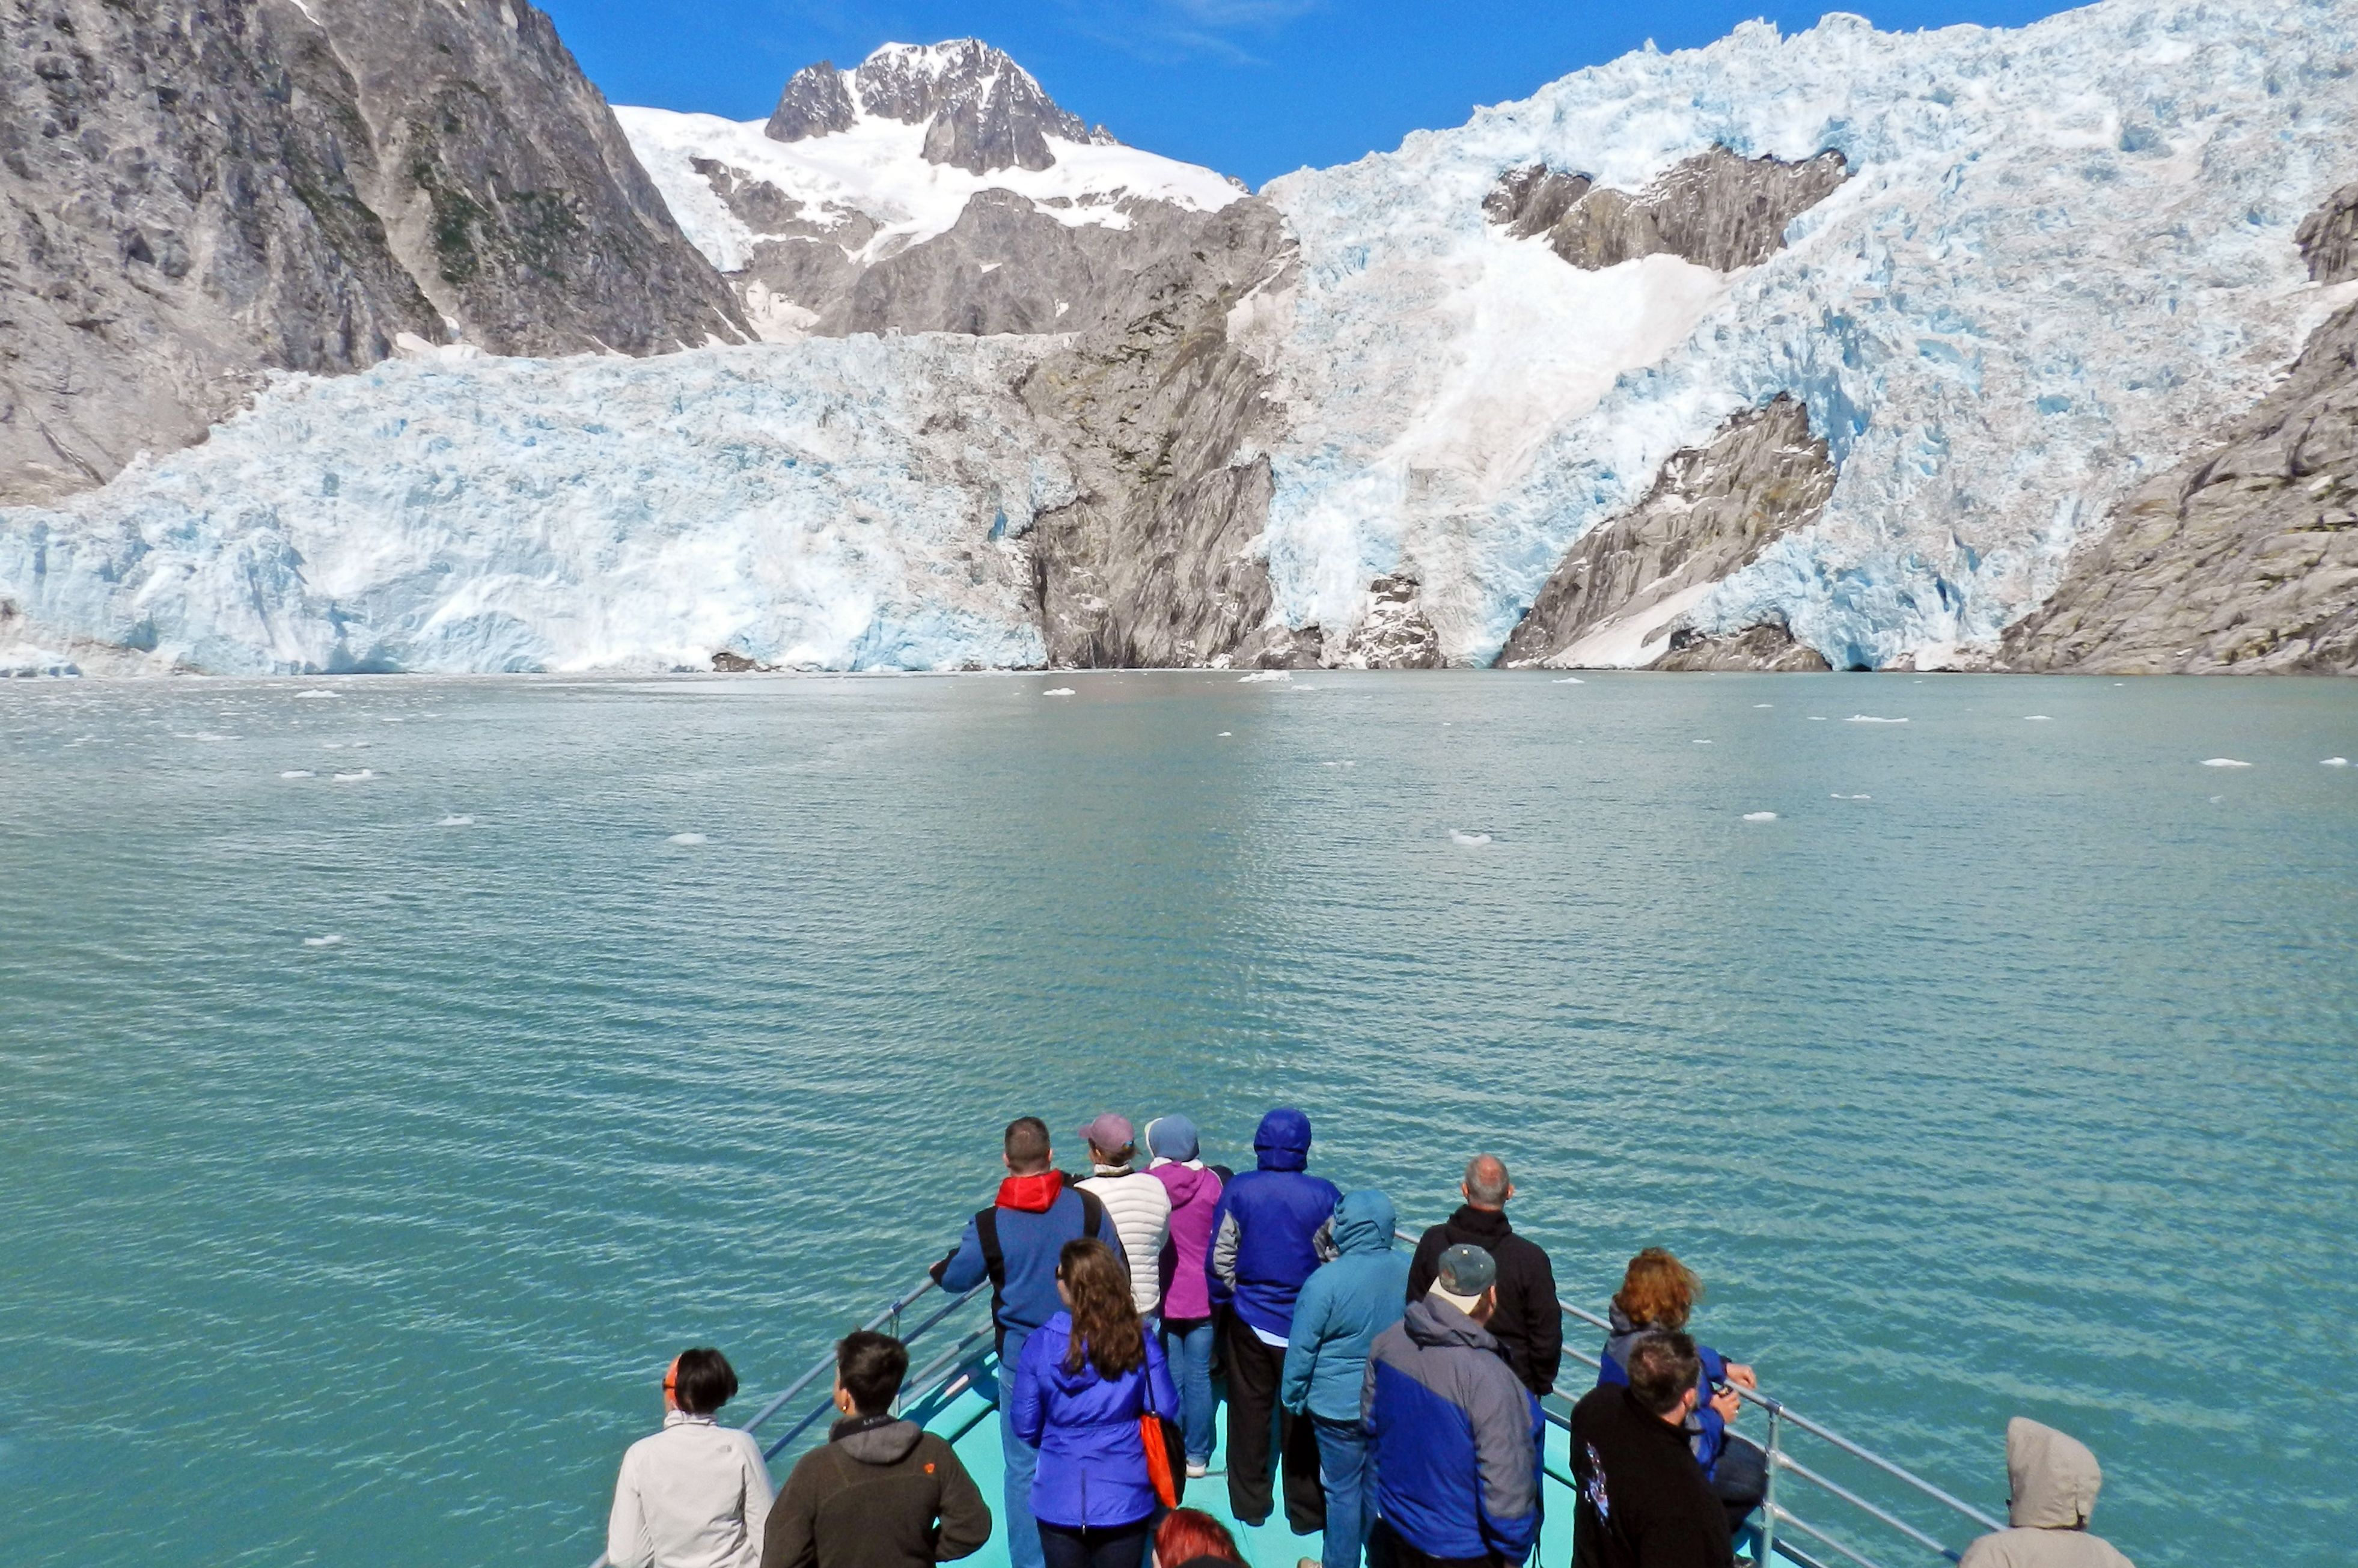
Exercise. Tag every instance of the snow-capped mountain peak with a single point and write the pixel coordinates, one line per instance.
(982, 111)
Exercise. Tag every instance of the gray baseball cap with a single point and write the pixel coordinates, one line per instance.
(1467, 1271)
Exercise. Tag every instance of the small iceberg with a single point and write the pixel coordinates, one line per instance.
(2334, 762)
(1264, 674)
(2037, 718)
(329, 941)
(1760, 817)
(1058, 691)
(361, 777)
(2223, 763)
(1471, 840)
(1223, 735)
(685, 838)
(1571, 680)
(314, 695)
(299, 774)
(1763, 705)
(456, 822)
(1871, 718)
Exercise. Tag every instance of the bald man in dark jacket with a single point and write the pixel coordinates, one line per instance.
(1528, 1325)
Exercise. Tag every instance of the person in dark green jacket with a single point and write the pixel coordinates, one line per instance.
(881, 1492)
(1341, 1310)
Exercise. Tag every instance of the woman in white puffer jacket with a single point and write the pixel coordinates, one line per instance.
(1138, 1205)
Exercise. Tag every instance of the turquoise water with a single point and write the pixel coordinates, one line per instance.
(2009, 1070)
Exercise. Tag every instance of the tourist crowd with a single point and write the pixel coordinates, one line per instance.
(1389, 1402)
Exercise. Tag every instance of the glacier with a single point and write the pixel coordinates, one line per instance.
(852, 504)
(2065, 253)
(2062, 258)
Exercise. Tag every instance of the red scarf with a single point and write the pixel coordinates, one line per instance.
(1032, 1195)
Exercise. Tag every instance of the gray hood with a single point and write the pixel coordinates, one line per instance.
(2055, 1478)
(886, 1445)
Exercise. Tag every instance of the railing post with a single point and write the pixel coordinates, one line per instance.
(1768, 1493)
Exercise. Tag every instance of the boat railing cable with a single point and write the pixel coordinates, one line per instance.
(1774, 1513)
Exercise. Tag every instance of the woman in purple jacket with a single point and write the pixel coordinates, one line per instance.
(1187, 1331)
(1085, 1379)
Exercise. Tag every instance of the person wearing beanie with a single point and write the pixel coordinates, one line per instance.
(1139, 1206)
(1187, 1333)
(1272, 1229)
(1455, 1436)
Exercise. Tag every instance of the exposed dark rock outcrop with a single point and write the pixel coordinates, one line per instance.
(1712, 512)
(816, 102)
(2243, 558)
(1766, 645)
(1156, 562)
(191, 195)
(982, 111)
(1716, 209)
(1394, 634)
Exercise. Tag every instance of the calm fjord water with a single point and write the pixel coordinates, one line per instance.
(2010, 1069)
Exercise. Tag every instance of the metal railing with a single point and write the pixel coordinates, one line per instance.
(1775, 1515)
(937, 1376)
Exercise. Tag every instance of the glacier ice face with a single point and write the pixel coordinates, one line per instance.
(847, 503)
(2064, 254)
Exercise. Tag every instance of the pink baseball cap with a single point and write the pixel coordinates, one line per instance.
(1111, 1133)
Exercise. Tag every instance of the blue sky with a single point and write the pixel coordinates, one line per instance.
(1251, 87)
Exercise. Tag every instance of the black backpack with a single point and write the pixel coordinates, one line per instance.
(994, 1260)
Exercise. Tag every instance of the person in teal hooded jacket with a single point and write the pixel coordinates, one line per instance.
(1342, 1308)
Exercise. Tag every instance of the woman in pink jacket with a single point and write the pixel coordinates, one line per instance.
(1187, 1332)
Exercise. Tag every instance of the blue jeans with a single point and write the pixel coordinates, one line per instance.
(1187, 1346)
(1347, 1472)
(1021, 1460)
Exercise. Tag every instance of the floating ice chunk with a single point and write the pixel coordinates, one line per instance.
(1223, 734)
(1871, 718)
(2223, 763)
(299, 774)
(356, 778)
(1760, 817)
(1571, 680)
(1817, 718)
(1264, 674)
(2334, 762)
(685, 838)
(332, 940)
(455, 821)
(1471, 840)
(2037, 718)
(316, 695)
(1763, 705)
(1703, 742)
(1058, 691)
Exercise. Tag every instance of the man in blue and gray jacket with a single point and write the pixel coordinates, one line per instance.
(1456, 1434)
(1272, 1229)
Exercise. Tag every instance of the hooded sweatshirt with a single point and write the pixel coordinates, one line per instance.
(1092, 1461)
(882, 1493)
(2055, 1480)
(1272, 1229)
(1033, 1217)
(1341, 1310)
(1195, 1193)
(1454, 1437)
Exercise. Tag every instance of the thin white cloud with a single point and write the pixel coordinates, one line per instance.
(1172, 29)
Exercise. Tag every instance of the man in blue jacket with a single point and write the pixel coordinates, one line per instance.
(1014, 1244)
(1456, 1434)
(1336, 1320)
(1272, 1229)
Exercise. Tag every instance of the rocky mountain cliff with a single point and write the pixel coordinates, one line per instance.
(1840, 349)
(193, 196)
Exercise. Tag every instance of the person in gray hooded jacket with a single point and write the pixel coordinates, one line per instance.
(2053, 1480)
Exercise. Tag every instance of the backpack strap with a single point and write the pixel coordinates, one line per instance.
(1092, 1215)
(994, 1261)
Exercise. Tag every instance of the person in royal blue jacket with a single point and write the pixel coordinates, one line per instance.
(1272, 1230)
(1455, 1435)
(1014, 1244)
(1085, 1381)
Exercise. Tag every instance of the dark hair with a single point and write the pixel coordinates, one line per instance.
(1658, 1290)
(1187, 1534)
(1105, 1329)
(1027, 1143)
(704, 1381)
(871, 1365)
(1662, 1368)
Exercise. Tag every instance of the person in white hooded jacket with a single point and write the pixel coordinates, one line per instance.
(2055, 1480)
(1138, 1205)
(697, 1494)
